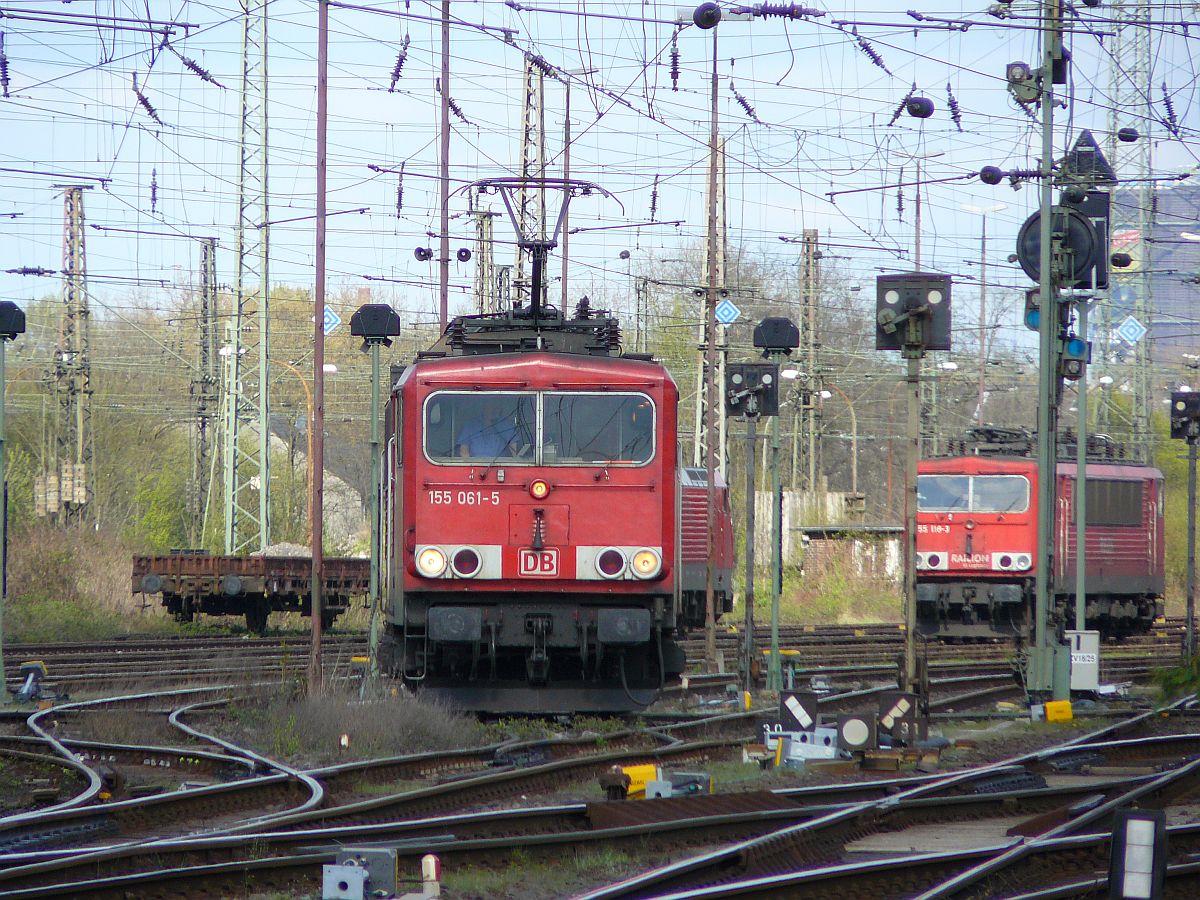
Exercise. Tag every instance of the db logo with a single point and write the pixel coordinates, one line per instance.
(537, 563)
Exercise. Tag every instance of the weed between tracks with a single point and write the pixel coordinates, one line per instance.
(833, 589)
(307, 731)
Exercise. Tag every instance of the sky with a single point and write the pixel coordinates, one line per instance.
(806, 109)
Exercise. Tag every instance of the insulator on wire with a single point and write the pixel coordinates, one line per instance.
(195, 68)
(786, 11)
(955, 110)
(3, 67)
(401, 58)
(457, 110)
(154, 190)
(675, 61)
(871, 53)
(1170, 121)
(400, 191)
(900, 198)
(654, 201)
(744, 104)
(541, 65)
(146, 105)
(900, 109)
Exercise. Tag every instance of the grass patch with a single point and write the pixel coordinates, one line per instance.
(533, 881)
(74, 585)
(306, 731)
(831, 590)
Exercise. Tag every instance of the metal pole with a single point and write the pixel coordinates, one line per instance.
(1043, 672)
(566, 227)
(1190, 635)
(318, 460)
(748, 589)
(373, 635)
(710, 365)
(4, 695)
(982, 317)
(444, 177)
(1081, 488)
(910, 520)
(774, 669)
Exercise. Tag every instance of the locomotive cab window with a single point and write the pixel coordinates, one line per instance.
(973, 493)
(480, 429)
(943, 493)
(608, 428)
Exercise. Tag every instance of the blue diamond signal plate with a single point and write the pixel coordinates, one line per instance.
(331, 320)
(1131, 330)
(727, 312)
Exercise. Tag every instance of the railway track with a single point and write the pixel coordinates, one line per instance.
(271, 826)
(810, 650)
(809, 830)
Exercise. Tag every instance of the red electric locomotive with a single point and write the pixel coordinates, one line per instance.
(538, 555)
(977, 540)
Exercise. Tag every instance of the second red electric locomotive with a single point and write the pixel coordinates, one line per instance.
(977, 540)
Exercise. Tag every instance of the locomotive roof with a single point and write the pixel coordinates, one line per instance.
(1017, 443)
(536, 370)
(586, 332)
(988, 464)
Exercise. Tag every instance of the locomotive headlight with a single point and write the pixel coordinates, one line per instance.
(610, 563)
(539, 489)
(1024, 561)
(466, 562)
(431, 562)
(646, 563)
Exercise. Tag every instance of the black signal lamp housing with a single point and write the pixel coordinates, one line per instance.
(375, 323)
(12, 320)
(776, 334)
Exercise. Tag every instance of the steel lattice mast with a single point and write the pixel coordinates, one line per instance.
(531, 203)
(247, 457)
(205, 394)
(65, 489)
(1131, 99)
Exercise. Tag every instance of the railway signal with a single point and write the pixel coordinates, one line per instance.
(912, 315)
(1063, 245)
(777, 336)
(376, 324)
(1185, 426)
(751, 390)
(12, 323)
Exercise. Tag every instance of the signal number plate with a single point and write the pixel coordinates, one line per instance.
(537, 563)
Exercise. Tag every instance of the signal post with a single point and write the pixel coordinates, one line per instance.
(912, 315)
(376, 324)
(1185, 425)
(777, 336)
(751, 391)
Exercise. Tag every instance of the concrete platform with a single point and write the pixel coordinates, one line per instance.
(935, 838)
